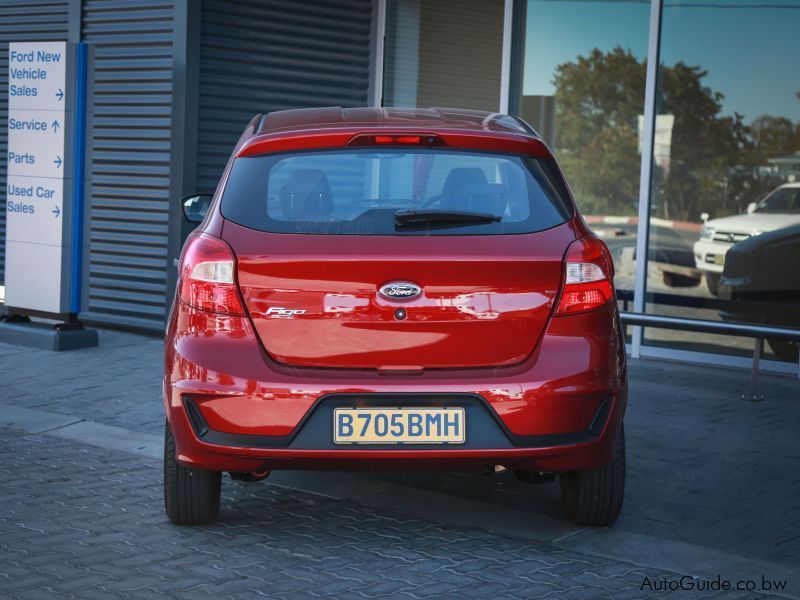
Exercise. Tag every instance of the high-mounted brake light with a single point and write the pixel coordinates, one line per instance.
(207, 276)
(396, 139)
(588, 272)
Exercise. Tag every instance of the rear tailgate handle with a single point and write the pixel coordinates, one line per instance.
(401, 370)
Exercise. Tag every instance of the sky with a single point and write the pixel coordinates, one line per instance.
(750, 48)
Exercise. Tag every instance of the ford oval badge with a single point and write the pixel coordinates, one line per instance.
(400, 290)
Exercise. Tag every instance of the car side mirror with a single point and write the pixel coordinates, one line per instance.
(704, 217)
(751, 208)
(195, 207)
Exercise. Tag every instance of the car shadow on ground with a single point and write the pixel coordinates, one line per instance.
(457, 498)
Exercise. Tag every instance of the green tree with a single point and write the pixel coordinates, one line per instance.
(705, 145)
(771, 137)
(599, 100)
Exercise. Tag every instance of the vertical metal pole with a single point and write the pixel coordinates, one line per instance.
(183, 129)
(377, 54)
(646, 172)
(759, 348)
(751, 392)
(78, 157)
(378, 44)
(505, 63)
(75, 18)
(798, 359)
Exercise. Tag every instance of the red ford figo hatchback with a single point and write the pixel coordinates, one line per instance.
(379, 288)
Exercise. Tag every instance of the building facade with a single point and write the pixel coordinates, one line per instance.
(665, 115)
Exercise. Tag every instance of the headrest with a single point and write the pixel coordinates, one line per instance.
(467, 189)
(460, 177)
(307, 196)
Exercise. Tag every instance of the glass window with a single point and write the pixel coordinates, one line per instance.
(783, 201)
(725, 241)
(581, 70)
(361, 191)
(443, 53)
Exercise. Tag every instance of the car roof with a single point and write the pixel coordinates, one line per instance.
(336, 117)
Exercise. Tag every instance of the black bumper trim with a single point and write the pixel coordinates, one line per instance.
(505, 439)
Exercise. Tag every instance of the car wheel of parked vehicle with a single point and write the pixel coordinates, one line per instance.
(712, 281)
(785, 350)
(679, 280)
(191, 496)
(594, 497)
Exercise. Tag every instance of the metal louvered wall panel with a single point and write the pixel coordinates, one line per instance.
(263, 55)
(125, 280)
(22, 21)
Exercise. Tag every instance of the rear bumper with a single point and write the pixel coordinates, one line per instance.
(575, 453)
(560, 410)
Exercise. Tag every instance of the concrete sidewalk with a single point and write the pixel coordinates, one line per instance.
(713, 481)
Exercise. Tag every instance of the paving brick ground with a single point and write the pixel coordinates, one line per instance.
(78, 521)
(117, 383)
(706, 470)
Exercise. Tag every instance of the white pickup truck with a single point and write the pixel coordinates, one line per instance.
(780, 208)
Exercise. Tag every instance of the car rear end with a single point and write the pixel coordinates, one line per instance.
(761, 283)
(396, 298)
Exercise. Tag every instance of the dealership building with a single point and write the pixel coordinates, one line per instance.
(665, 114)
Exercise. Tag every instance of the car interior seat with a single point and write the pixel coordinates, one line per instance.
(467, 189)
(307, 196)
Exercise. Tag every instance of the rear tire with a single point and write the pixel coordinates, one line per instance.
(191, 496)
(712, 282)
(594, 497)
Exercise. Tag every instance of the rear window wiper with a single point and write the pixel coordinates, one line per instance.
(411, 218)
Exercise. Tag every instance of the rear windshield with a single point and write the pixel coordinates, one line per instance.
(360, 191)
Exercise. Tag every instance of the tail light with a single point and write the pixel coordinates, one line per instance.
(207, 276)
(588, 272)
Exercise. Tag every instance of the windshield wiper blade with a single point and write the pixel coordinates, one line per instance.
(410, 218)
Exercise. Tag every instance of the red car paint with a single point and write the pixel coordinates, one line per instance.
(486, 324)
(503, 305)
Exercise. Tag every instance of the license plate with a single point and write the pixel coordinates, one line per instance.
(719, 259)
(440, 425)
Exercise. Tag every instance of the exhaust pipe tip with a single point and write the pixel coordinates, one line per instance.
(249, 476)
